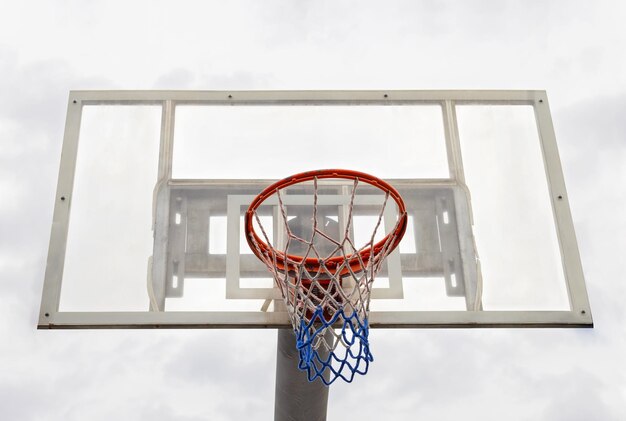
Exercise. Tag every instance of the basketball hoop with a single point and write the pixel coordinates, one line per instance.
(327, 290)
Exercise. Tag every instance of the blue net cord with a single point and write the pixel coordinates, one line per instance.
(353, 336)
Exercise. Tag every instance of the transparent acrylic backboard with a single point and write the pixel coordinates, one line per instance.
(148, 224)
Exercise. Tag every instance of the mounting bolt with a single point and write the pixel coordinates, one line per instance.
(583, 312)
(559, 197)
(47, 314)
(230, 96)
(74, 102)
(386, 96)
(63, 198)
(541, 100)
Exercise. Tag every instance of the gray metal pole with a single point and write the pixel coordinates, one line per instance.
(296, 399)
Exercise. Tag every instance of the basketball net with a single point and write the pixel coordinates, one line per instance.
(327, 296)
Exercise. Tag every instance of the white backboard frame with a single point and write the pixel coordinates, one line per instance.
(579, 314)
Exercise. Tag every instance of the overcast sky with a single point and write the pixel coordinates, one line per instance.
(572, 49)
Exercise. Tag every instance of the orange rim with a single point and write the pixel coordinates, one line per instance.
(313, 264)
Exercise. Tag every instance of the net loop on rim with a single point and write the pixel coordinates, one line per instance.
(327, 290)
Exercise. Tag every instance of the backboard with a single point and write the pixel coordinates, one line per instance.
(153, 187)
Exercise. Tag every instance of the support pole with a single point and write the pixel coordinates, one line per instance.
(296, 399)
